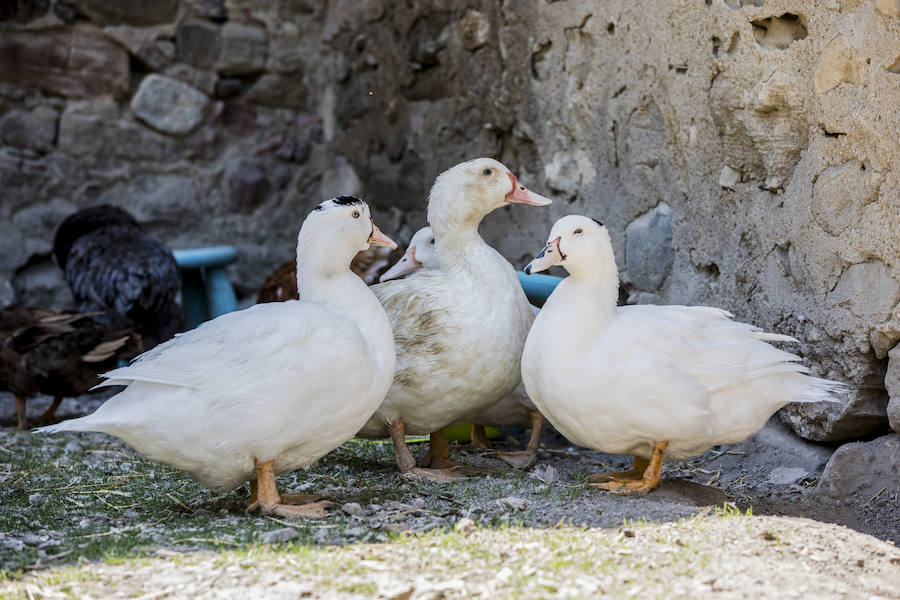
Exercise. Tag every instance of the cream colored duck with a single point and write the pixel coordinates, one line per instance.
(515, 409)
(648, 380)
(460, 327)
(268, 389)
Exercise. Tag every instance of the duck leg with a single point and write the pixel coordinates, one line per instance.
(264, 497)
(20, 412)
(527, 457)
(479, 438)
(285, 498)
(407, 463)
(48, 414)
(438, 456)
(636, 472)
(649, 479)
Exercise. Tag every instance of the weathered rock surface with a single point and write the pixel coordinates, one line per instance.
(648, 248)
(862, 469)
(892, 383)
(765, 128)
(73, 62)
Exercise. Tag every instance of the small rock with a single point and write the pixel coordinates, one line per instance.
(37, 499)
(84, 523)
(354, 509)
(786, 475)
(243, 49)
(729, 178)
(474, 28)
(418, 502)
(168, 105)
(72, 447)
(198, 43)
(132, 514)
(465, 526)
(355, 531)
(513, 502)
(279, 536)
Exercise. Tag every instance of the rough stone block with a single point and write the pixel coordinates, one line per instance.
(93, 131)
(892, 383)
(75, 62)
(168, 105)
(247, 183)
(340, 179)
(243, 49)
(867, 289)
(648, 248)
(273, 89)
(198, 43)
(859, 470)
(135, 12)
(34, 129)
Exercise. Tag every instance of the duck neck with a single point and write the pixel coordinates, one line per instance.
(344, 292)
(591, 295)
(454, 222)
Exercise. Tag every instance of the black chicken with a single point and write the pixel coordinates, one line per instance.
(58, 353)
(117, 270)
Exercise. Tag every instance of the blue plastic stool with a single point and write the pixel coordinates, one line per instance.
(538, 287)
(206, 292)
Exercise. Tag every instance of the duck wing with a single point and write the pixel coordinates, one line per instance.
(249, 348)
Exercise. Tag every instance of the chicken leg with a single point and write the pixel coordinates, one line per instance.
(21, 413)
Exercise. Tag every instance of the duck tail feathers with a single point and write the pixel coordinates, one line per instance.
(824, 390)
(80, 424)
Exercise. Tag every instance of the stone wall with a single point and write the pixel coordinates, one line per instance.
(742, 152)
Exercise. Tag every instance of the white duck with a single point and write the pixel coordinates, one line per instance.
(459, 327)
(268, 389)
(419, 254)
(515, 409)
(648, 380)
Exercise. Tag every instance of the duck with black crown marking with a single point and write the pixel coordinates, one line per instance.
(268, 389)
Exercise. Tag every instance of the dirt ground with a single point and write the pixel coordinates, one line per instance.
(143, 529)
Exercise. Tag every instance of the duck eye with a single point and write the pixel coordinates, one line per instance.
(487, 171)
(355, 214)
(577, 231)
(432, 241)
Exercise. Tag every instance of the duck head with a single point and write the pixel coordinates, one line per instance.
(576, 243)
(420, 253)
(464, 194)
(334, 232)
